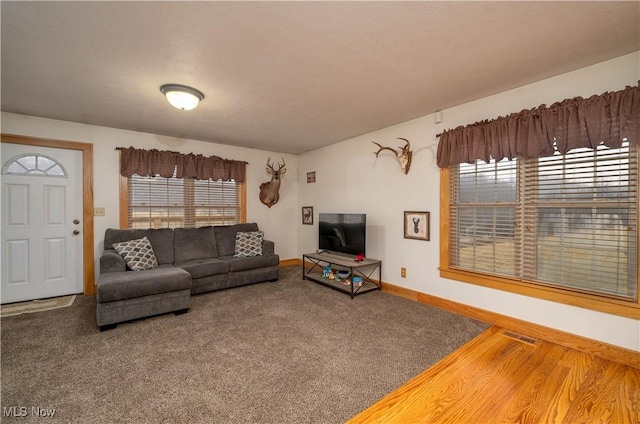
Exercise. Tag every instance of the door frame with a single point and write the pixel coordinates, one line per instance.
(88, 268)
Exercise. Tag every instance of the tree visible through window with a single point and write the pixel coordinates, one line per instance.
(568, 221)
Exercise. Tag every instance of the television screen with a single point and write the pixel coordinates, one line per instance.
(342, 232)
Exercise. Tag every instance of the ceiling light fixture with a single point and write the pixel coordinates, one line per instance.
(182, 96)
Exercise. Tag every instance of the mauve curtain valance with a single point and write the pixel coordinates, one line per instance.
(578, 122)
(149, 163)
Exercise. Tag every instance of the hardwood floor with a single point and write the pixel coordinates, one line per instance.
(499, 378)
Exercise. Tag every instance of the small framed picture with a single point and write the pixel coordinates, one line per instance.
(416, 225)
(307, 215)
(311, 177)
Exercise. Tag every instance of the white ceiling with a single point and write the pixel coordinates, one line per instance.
(291, 76)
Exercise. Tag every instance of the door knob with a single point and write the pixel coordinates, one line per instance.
(76, 232)
(75, 221)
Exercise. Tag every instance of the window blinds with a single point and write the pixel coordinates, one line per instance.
(483, 217)
(157, 202)
(580, 220)
(566, 220)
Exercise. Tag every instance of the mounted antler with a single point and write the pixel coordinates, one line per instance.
(404, 155)
(281, 168)
(269, 191)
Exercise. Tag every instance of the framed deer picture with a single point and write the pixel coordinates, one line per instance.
(416, 225)
(307, 215)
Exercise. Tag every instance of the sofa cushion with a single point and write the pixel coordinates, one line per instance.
(252, 262)
(114, 286)
(248, 244)
(161, 240)
(226, 236)
(204, 267)
(194, 243)
(138, 254)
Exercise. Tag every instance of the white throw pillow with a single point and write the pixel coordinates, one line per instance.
(249, 244)
(138, 254)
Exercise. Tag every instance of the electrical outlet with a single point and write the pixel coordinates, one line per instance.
(403, 272)
(98, 211)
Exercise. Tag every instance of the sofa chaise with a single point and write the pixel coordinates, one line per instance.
(175, 265)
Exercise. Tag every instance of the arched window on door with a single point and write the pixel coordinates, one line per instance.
(36, 165)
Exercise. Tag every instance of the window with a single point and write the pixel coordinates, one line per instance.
(37, 165)
(483, 216)
(565, 222)
(157, 202)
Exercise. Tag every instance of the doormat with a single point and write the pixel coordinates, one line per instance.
(36, 306)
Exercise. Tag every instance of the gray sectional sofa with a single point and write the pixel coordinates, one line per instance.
(189, 261)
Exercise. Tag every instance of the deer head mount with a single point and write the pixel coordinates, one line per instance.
(269, 192)
(403, 155)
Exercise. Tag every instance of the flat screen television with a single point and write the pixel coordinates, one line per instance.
(343, 233)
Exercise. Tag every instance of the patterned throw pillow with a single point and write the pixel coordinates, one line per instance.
(138, 254)
(249, 244)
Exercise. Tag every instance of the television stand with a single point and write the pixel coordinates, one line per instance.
(364, 269)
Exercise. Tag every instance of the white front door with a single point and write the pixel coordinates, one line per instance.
(41, 222)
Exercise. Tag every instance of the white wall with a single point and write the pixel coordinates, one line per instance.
(351, 179)
(277, 222)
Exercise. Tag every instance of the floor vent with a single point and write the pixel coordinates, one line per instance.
(520, 338)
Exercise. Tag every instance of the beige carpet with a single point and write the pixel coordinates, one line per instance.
(286, 352)
(36, 306)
